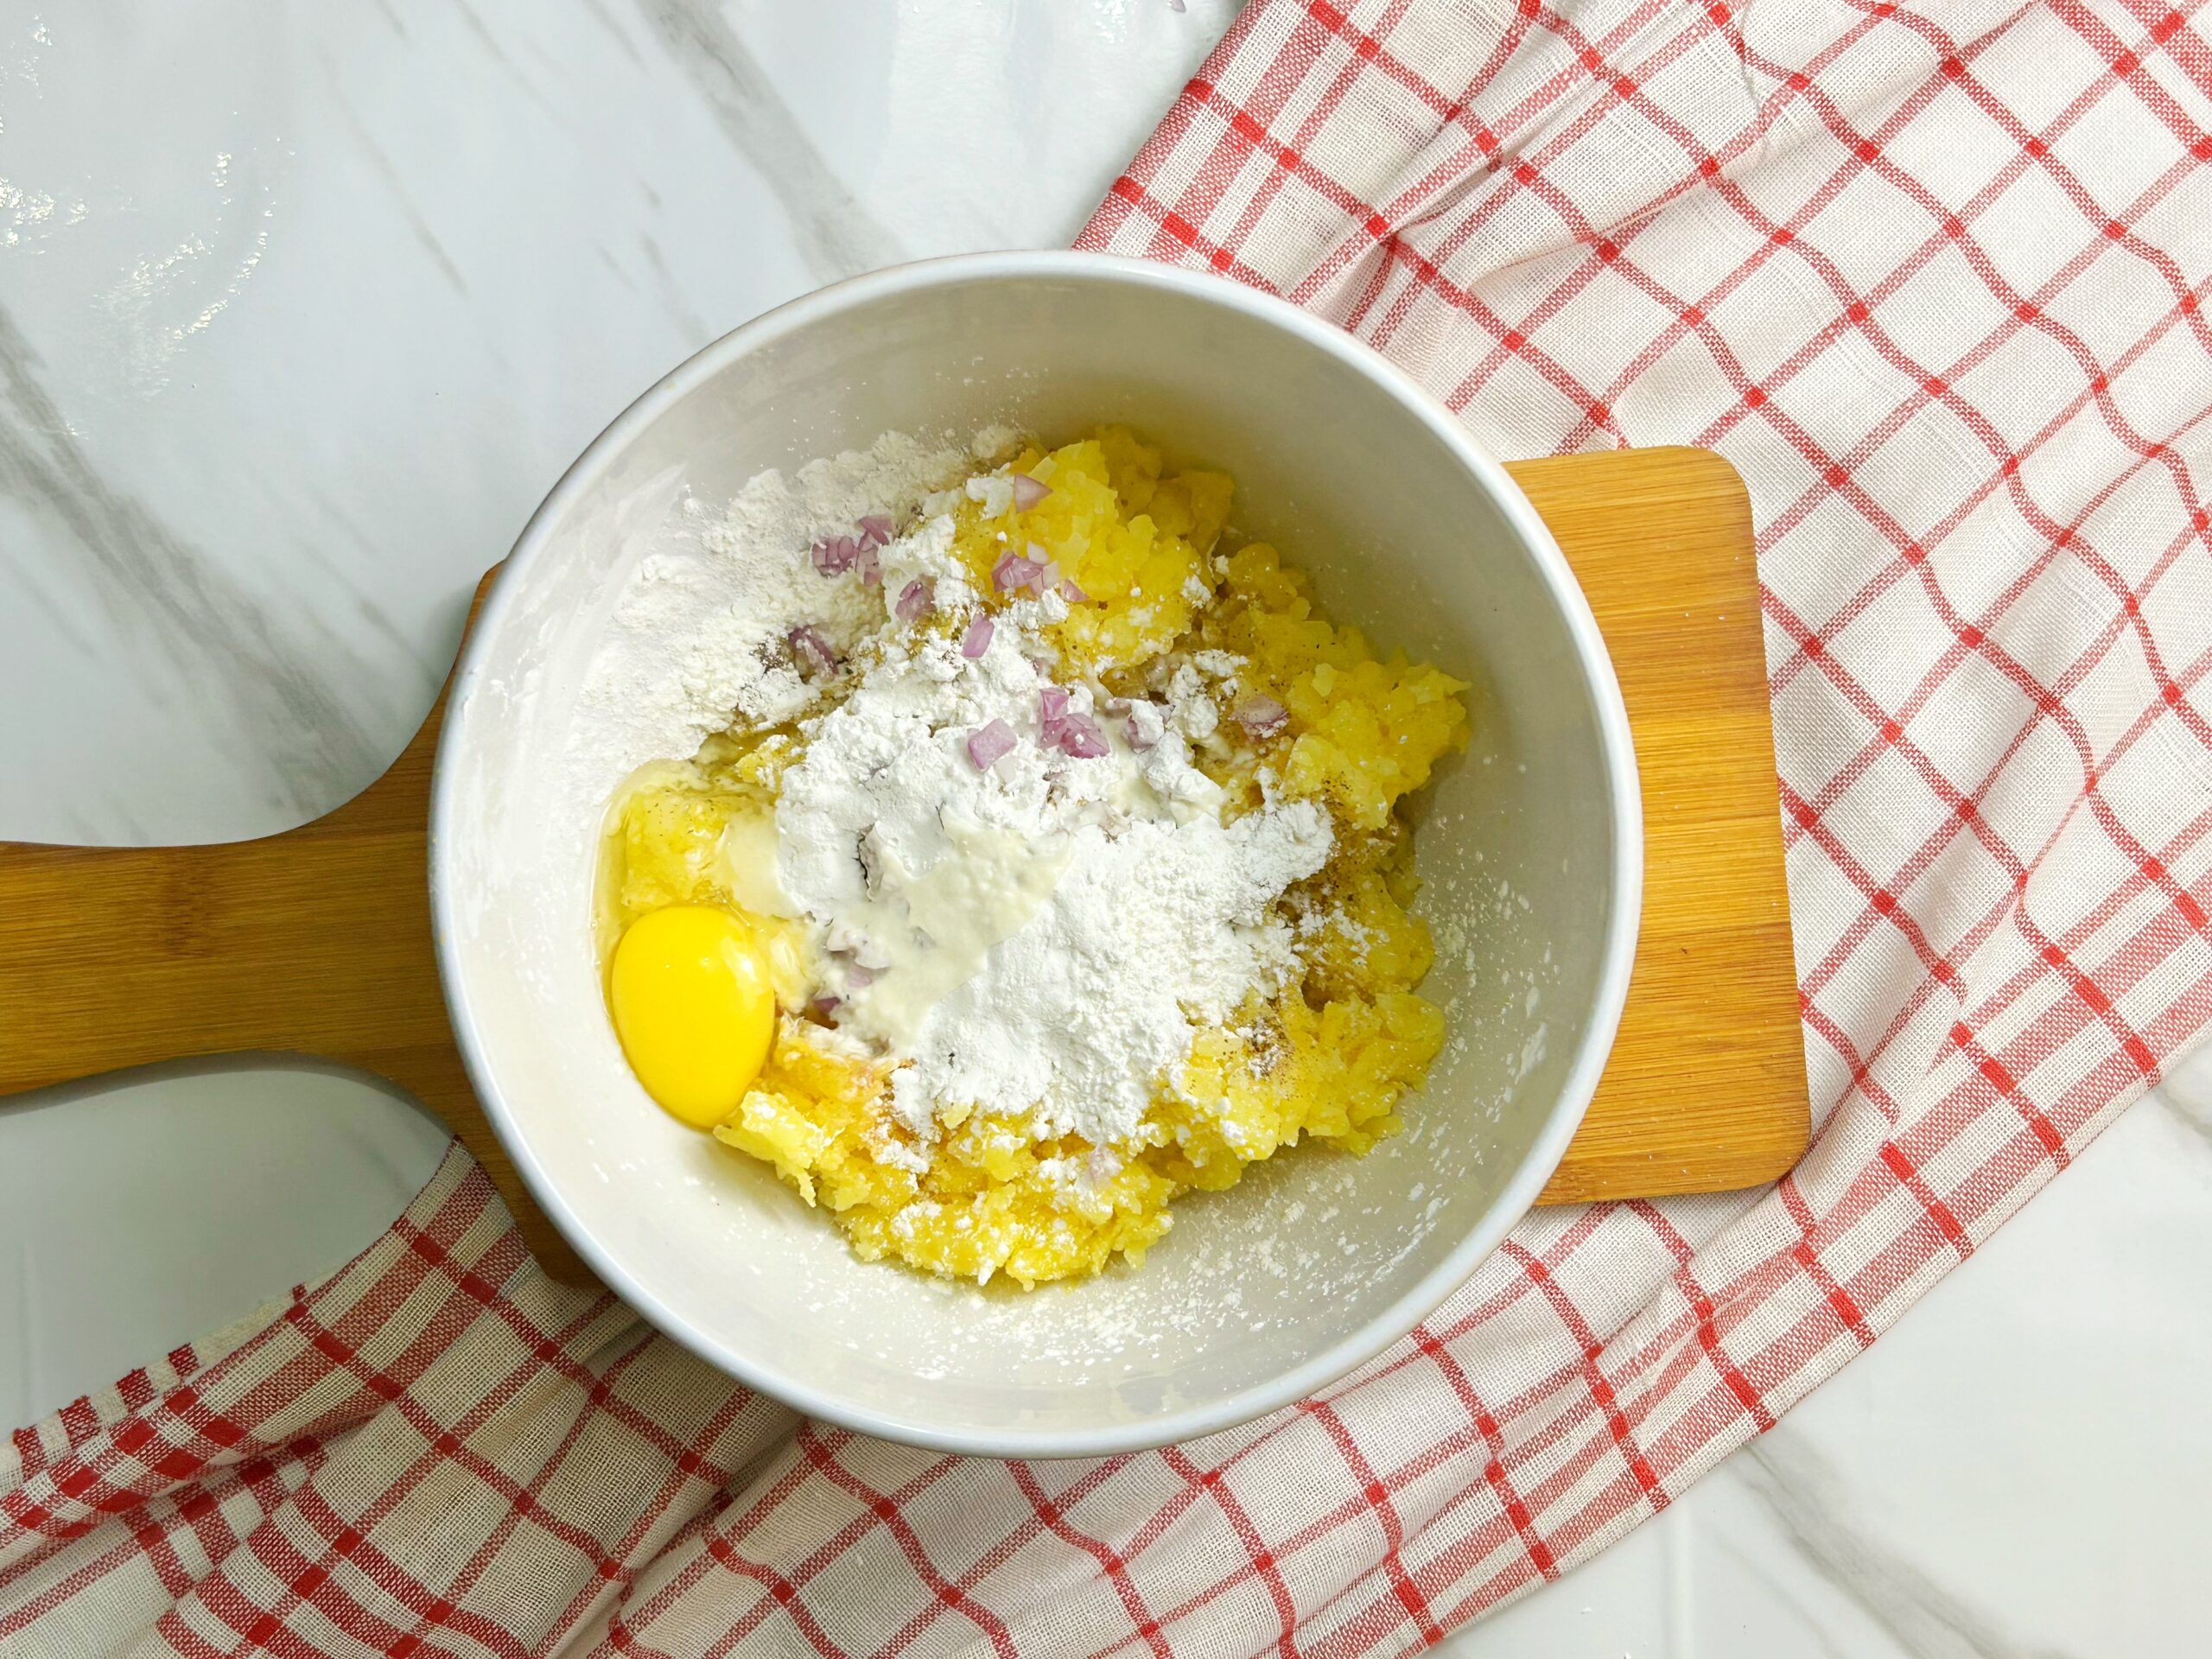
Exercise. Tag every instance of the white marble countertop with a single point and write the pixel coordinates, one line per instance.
(303, 309)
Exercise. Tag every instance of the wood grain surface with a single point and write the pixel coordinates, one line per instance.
(1706, 1088)
(318, 942)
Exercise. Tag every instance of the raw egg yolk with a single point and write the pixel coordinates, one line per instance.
(691, 995)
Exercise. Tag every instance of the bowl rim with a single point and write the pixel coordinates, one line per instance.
(1519, 1194)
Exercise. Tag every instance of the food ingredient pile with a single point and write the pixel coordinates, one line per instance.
(1042, 859)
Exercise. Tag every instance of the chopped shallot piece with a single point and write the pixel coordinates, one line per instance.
(1261, 716)
(1079, 735)
(1013, 571)
(859, 978)
(1066, 729)
(835, 555)
(812, 649)
(875, 530)
(987, 744)
(914, 600)
(1073, 595)
(977, 638)
(870, 567)
(824, 1006)
(1028, 491)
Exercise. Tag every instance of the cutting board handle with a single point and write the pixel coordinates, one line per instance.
(317, 942)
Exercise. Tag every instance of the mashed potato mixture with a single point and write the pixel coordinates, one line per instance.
(1066, 873)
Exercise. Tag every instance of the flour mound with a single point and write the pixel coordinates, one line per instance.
(1035, 938)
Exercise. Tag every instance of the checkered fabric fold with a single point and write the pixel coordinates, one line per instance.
(1933, 278)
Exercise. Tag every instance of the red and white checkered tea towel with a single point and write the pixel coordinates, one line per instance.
(1933, 277)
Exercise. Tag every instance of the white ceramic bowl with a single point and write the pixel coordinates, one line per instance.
(1531, 844)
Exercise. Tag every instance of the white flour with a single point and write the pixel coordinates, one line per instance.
(1077, 1016)
(698, 635)
(1036, 936)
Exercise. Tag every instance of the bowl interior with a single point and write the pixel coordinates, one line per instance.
(1315, 1261)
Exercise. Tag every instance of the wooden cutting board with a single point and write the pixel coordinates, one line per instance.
(318, 941)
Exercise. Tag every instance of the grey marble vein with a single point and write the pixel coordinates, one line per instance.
(119, 810)
(835, 235)
(614, 266)
(507, 65)
(153, 580)
(605, 19)
(2195, 1115)
(1779, 1587)
(60, 619)
(695, 327)
(1812, 1505)
(82, 831)
(389, 172)
(365, 605)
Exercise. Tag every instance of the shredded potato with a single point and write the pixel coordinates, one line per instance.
(1325, 1059)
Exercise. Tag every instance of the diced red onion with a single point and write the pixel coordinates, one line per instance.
(836, 554)
(914, 600)
(1261, 716)
(987, 744)
(1144, 734)
(1014, 571)
(1079, 735)
(858, 977)
(977, 638)
(875, 530)
(1073, 595)
(1028, 491)
(825, 1006)
(808, 645)
(871, 566)
(1066, 729)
